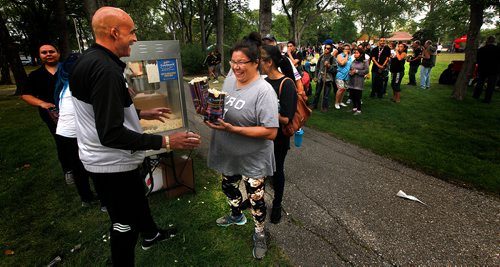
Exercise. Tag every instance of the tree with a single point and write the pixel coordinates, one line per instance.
(301, 13)
(477, 8)
(381, 16)
(220, 31)
(12, 55)
(265, 16)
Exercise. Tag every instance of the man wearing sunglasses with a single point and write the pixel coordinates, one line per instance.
(324, 76)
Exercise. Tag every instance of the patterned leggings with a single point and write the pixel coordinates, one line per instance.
(255, 193)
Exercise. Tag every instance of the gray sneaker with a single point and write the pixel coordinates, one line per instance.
(68, 177)
(259, 245)
(228, 220)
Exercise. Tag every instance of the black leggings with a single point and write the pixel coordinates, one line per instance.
(356, 98)
(278, 179)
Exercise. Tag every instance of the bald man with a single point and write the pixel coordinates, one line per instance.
(110, 139)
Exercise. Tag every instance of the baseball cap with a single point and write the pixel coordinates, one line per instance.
(328, 41)
(269, 37)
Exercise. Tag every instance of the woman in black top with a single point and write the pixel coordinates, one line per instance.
(270, 60)
(397, 71)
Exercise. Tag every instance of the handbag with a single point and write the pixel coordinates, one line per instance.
(302, 113)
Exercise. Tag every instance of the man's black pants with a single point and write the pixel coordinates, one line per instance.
(129, 212)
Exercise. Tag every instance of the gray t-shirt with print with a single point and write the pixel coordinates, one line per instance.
(253, 105)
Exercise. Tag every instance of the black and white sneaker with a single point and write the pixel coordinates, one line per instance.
(162, 235)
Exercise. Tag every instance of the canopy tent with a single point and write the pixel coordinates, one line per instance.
(462, 39)
(400, 36)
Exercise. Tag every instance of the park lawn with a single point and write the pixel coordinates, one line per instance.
(458, 141)
(41, 217)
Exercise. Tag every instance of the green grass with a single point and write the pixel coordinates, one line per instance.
(454, 140)
(41, 217)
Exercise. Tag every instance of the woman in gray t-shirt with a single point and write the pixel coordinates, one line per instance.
(242, 144)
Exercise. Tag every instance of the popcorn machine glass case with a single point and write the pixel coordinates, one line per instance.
(154, 77)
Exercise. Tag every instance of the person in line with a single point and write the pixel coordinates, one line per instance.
(398, 71)
(428, 62)
(324, 78)
(287, 96)
(294, 55)
(110, 139)
(39, 92)
(67, 133)
(343, 66)
(359, 69)
(241, 147)
(287, 67)
(414, 61)
(488, 61)
(380, 57)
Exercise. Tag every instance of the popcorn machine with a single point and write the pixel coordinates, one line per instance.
(154, 78)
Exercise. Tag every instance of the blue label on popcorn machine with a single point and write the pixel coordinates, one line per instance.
(167, 69)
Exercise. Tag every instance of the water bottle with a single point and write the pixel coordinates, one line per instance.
(298, 137)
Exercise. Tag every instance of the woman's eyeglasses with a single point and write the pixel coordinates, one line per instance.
(239, 64)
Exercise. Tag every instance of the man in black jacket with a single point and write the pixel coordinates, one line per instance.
(380, 57)
(488, 62)
(110, 139)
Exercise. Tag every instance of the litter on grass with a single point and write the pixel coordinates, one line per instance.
(404, 195)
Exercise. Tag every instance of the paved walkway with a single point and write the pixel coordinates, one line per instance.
(343, 210)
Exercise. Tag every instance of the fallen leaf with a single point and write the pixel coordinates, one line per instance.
(8, 252)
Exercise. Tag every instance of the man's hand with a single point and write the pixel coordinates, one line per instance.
(46, 105)
(155, 114)
(184, 140)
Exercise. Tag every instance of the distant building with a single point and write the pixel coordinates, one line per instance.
(403, 37)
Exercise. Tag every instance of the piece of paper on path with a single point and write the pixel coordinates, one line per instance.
(404, 195)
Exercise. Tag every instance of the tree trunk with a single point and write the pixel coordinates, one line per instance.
(476, 21)
(90, 9)
(12, 54)
(201, 8)
(265, 16)
(220, 32)
(62, 23)
(4, 68)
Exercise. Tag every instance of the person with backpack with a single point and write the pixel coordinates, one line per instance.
(324, 76)
(287, 96)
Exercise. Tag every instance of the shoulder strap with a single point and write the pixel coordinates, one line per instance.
(282, 82)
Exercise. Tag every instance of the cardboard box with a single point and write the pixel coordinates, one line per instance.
(183, 182)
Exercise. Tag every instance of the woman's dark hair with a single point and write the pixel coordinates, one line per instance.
(361, 54)
(271, 52)
(249, 46)
(51, 44)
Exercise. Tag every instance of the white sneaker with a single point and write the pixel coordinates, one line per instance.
(216, 81)
(357, 113)
(342, 104)
(348, 101)
(337, 106)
